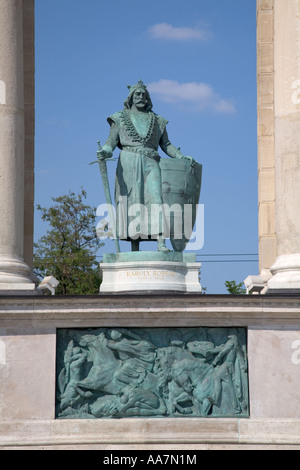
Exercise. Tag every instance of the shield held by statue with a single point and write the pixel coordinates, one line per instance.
(181, 185)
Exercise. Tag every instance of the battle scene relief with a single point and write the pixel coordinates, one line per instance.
(151, 372)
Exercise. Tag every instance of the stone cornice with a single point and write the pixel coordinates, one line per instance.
(149, 310)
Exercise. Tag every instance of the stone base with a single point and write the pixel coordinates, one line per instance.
(150, 272)
(15, 277)
(286, 275)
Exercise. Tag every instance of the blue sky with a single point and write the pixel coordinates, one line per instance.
(198, 59)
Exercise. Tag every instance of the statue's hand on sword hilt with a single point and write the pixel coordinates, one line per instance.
(104, 153)
(101, 154)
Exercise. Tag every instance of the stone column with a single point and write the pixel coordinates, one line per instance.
(266, 135)
(286, 270)
(14, 273)
(29, 108)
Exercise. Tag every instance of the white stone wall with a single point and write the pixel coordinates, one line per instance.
(28, 357)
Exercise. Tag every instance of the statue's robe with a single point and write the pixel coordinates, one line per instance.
(138, 178)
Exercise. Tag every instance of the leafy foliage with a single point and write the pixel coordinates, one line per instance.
(235, 289)
(68, 250)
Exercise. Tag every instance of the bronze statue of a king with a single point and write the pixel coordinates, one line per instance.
(139, 133)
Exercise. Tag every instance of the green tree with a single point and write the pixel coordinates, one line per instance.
(235, 289)
(68, 250)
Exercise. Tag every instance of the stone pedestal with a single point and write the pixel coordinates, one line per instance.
(150, 272)
(29, 328)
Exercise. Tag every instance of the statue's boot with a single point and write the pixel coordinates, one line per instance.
(161, 246)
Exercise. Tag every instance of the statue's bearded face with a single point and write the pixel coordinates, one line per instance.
(139, 99)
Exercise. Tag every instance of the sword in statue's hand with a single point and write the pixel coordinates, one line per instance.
(103, 170)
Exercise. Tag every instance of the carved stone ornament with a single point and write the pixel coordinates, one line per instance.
(151, 372)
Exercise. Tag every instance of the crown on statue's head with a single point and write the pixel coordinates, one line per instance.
(140, 84)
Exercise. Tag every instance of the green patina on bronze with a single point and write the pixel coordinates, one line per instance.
(152, 372)
(142, 177)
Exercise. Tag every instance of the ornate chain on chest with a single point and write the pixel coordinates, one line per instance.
(132, 131)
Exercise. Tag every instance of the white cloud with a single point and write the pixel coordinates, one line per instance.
(196, 95)
(58, 122)
(44, 172)
(167, 31)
